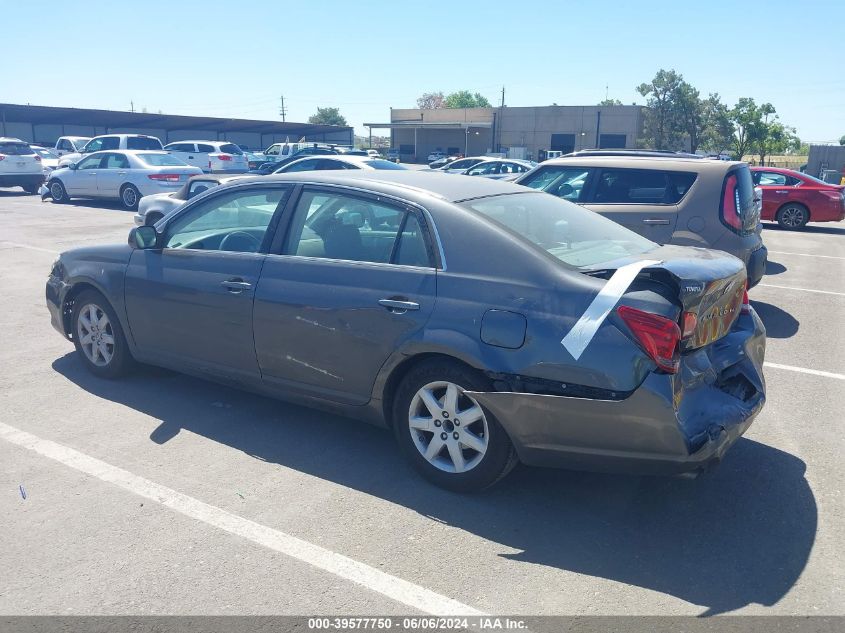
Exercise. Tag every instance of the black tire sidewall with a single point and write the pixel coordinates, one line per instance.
(137, 197)
(64, 197)
(122, 359)
(796, 206)
(500, 456)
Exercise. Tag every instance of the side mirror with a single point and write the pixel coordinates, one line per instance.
(143, 237)
(72, 166)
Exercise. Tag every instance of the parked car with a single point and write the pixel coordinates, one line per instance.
(437, 155)
(20, 166)
(278, 152)
(670, 199)
(49, 158)
(499, 168)
(442, 162)
(792, 199)
(341, 161)
(393, 155)
(351, 151)
(374, 153)
(215, 157)
(458, 352)
(125, 175)
(254, 159)
(460, 165)
(70, 144)
(270, 166)
(112, 142)
(154, 207)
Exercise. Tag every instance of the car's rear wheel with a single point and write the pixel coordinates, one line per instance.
(445, 433)
(130, 196)
(57, 191)
(793, 216)
(31, 188)
(98, 336)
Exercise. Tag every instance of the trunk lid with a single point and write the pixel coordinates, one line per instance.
(707, 283)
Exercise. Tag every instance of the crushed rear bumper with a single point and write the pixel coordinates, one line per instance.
(671, 424)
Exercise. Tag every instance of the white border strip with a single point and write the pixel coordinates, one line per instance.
(11, 245)
(339, 565)
(585, 328)
(821, 292)
(813, 372)
(806, 255)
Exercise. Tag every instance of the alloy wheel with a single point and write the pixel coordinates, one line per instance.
(793, 217)
(96, 336)
(448, 427)
(130, 198)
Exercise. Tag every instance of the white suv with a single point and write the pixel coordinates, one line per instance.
(70, 144)
(216, 157)
(113, 141)
(20, 166)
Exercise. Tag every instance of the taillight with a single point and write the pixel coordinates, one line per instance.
(224, 157)
(746, 304)
(2, 157)
(37, 158)
(730, 204)
(165, 177)
(689, 323)
(657, 335)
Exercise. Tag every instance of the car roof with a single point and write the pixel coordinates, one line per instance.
(407, 184)
(203, 141)
(9, 139)
(669, 161)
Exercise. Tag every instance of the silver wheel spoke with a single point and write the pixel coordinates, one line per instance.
(86, 323)
(421, 424)
(107, 339)
(473, 414)
(434, 447)
(450, 401)
(431, 403)
(457, 457)
(85, 340)
(470, 440)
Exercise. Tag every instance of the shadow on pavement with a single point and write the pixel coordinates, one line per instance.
(779, 323)
(15, 193)
(835, 228)
(774, 268)
(739, 535)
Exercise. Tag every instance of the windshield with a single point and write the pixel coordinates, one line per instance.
(161, 160)
(570, 233)
(15, 149)
(231, 148)
(44, 153)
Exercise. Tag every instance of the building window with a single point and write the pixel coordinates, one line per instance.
(612, 141)
(563, 142)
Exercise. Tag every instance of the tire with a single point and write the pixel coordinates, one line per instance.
(32, 189)
(129, 197)
(58, 191)
(792, 216)
(106, 359)
(491, 455)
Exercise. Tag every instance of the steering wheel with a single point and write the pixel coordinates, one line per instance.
(240, 241)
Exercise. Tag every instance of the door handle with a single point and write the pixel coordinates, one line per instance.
(781, 191)
(655, 221)
(236, 285)
(190, 156)
(398, 306)
(121, 173)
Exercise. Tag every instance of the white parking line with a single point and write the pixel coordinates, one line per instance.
(395, 588)
(806, 255)
(823, 292)
(814, 372)
(27, 246)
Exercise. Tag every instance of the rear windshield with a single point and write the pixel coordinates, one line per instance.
(570, 233)
(45, 153)
(378, 163)
(142, 142)
(231, 148)
(16, 149)
(161, 160)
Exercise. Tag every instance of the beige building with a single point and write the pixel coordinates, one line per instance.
(522, 132)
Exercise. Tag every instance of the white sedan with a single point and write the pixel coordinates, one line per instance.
(125, 175)
(498, 168)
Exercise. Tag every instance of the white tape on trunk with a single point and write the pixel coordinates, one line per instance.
(585, 329)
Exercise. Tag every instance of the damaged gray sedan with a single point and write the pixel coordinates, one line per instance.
(483, 322)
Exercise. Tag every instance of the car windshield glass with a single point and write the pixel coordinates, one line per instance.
(160, 160)
(45, 153)
(142, 142)
(16, 149)
(382, 164)
(231, 148)
(570, 233)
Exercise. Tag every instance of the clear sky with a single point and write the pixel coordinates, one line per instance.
(234, 58)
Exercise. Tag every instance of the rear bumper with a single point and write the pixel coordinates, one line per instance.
(756, 265)
(672, 424)
(21, 180)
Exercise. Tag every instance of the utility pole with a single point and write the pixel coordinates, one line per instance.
(132, 106)
(503, 96)
(282, 110)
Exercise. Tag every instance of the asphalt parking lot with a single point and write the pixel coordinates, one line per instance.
(164, 494)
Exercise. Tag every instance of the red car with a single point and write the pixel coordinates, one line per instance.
(793, 199)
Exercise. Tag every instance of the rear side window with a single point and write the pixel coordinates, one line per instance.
(231, 148)
(205, 148)
(141, 142)
(181, 147)
(641, 186)
(16, 149)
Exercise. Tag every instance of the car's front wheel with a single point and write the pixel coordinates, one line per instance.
(445, 433)
(130, 196)
(98, 336)
(57, 191)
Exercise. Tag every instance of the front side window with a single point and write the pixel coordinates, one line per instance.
(65, 145)
(92, 162)
(273, 150)
(94, 145)
(559, 180)
(341, 226)
(234, 221)
(570, 233)
(483, 169)
(141, 142)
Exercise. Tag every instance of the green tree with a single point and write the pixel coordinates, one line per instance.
(610, 102)
(718, 131)
(689, 113)
(661, 126)
(430, 101)
(327, 116)
(747, 118)
(465, 99)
